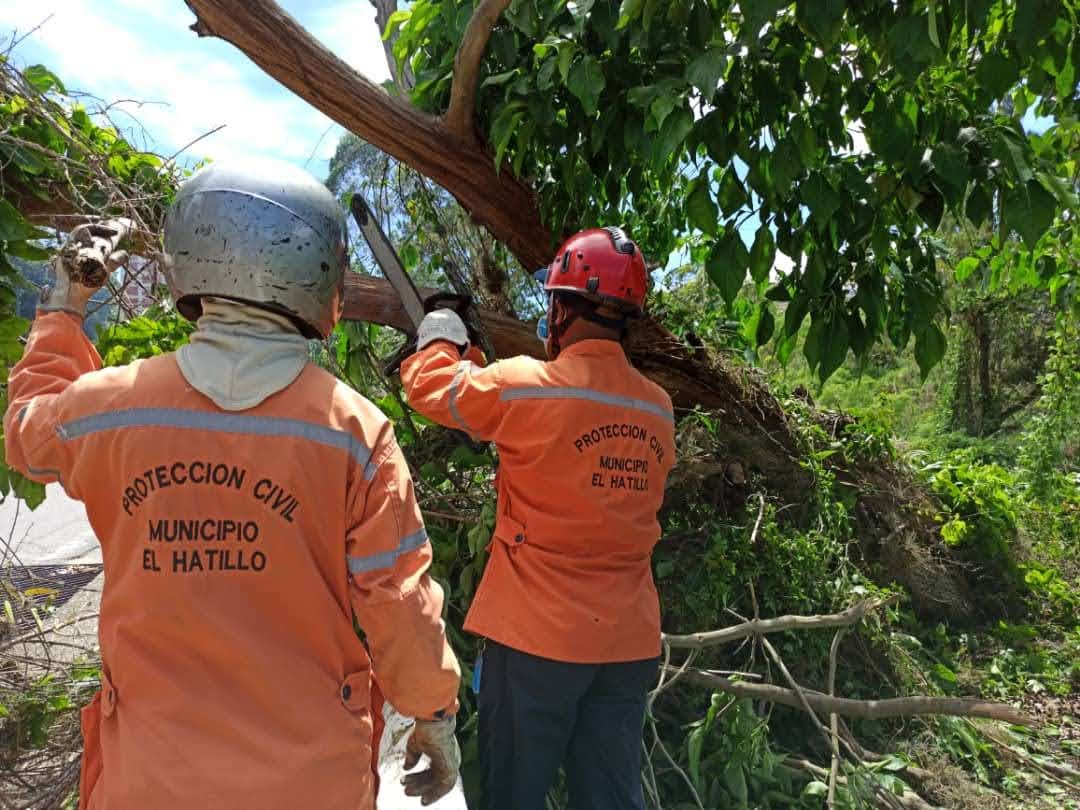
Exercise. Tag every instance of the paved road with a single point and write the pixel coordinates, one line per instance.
(56, 533)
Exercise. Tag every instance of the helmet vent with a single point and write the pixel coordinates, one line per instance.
(622, 242)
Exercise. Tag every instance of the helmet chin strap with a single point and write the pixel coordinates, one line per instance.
(618, 324)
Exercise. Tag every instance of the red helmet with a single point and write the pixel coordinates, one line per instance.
(601, 264)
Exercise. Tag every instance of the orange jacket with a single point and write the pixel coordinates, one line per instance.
(237, 548)
(585, 446)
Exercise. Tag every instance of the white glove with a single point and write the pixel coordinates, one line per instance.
(436, 739)
(81, 268)
(442, 324)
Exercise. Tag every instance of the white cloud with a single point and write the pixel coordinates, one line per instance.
(143, 50)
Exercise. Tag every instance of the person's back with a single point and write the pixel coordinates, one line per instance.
(567, 603)
(248, 505)
(585, 444)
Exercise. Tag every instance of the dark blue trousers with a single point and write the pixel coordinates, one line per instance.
(537, 715)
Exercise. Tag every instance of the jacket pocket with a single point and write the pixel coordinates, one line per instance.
(510, 532)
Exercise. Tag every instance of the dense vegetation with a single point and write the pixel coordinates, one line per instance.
(953, 235)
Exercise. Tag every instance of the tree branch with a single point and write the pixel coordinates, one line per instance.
(846, 618)
(287, 52)
(462, 109)
(865, 709)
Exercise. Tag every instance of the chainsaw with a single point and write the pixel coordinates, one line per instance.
(415, 305)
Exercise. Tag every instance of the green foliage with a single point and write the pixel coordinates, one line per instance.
(1055, 428)
(55, 156)
(693, 117)
(157, 331)
(981, 515)
(29, 714)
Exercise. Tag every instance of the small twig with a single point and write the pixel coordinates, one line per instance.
(190, 144)
(865, 709)
(846, 618)
(834, 720)
(38, 635)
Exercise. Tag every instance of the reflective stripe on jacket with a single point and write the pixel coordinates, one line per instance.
(237, 548)
(585, 446)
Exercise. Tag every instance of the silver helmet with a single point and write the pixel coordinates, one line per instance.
(265, 233)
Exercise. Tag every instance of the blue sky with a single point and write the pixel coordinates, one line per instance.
(142, 50)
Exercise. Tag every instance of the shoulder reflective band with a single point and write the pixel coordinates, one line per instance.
(543, 392)
(385, 559)
(242, 424)
(455, 385)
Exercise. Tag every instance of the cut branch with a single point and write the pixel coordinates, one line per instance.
(459, 116)
(864, 709)
(845, 618)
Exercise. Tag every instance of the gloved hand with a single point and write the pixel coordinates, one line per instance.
(91, 252)
(442, 324)
(436, 739)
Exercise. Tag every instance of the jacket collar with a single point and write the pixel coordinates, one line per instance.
(594, 348)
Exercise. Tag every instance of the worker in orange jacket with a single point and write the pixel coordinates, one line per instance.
(248, 506)
(567, 604)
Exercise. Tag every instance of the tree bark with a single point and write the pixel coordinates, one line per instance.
(864, 709)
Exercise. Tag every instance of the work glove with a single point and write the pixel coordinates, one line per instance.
(436, 739)
(91, 252)
(442, 324)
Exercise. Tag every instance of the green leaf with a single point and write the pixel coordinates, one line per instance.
(731, 195)
(586, 81)
(965, 268)
(28, 250)
(815, 789)
(820, 197)
(929, 348)
(950, 166)
(727, 263)
(705, 71)
(943, 673)
(889, 130)
(1010, 149)
(503, 128)
(814, 274)
(823, 19)
(567, 51)
(758, 12)
(43, 80)
(1030, 210)
(1032, 21)
(996, 74)
(762, 254)
(786, 163)
(933, 27)
(500, 78)
(796, 314)
(30, 492)
(12, 225)
(669, 143)
(700, 208)
(716, 135)
(629, 11)
(835, 345)
(978, 206)
(766, 325)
